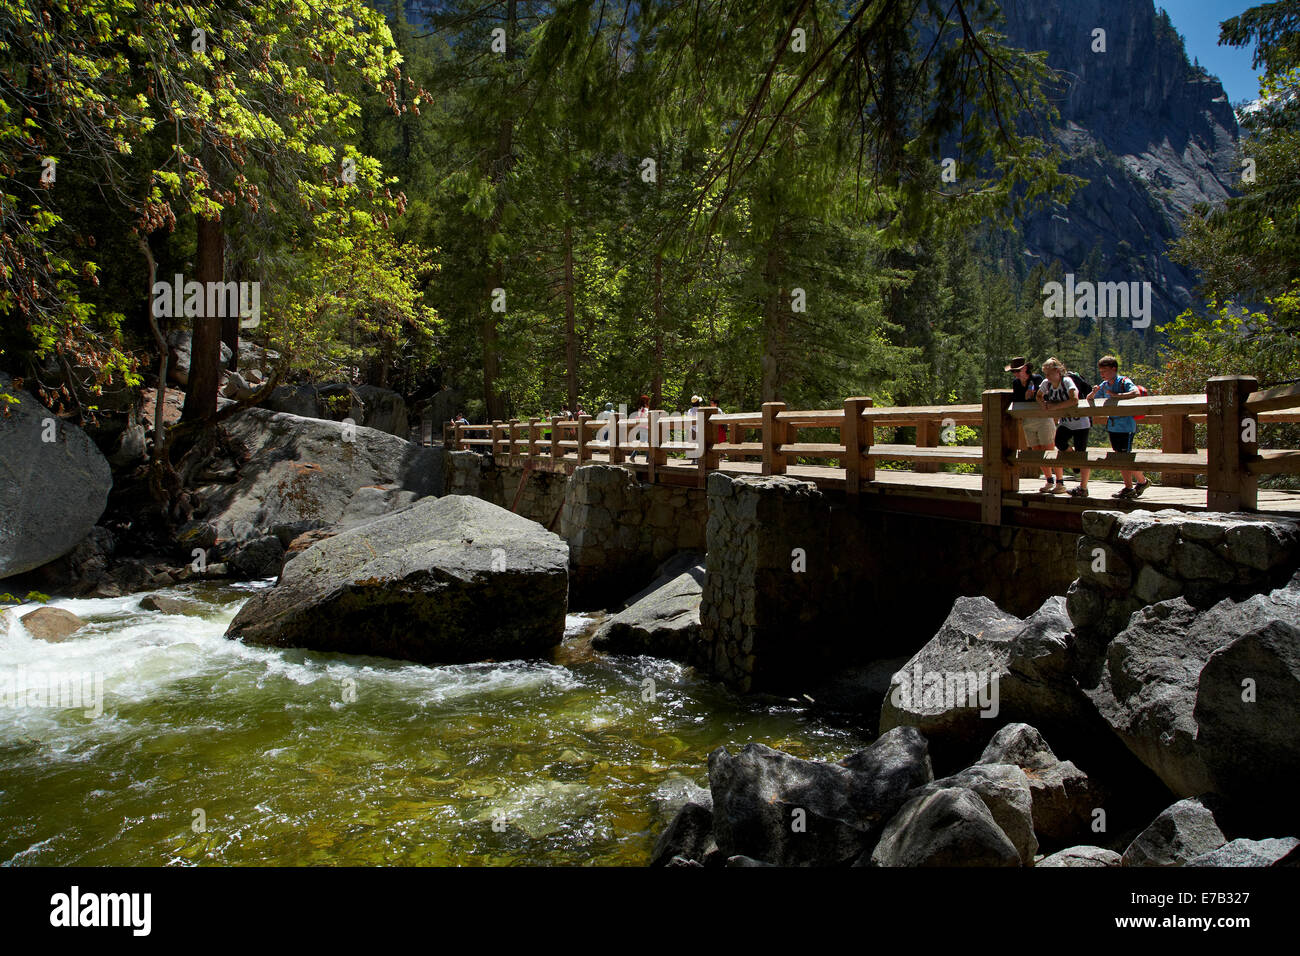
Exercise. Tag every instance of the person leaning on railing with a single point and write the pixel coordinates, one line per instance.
(1039, 432)
(1121, 430)
(1060, 394)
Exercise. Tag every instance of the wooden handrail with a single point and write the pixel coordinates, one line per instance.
(1270, 399)
(1114, 408)
(1232, 408)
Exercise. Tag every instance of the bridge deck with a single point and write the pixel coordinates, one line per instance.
(963, 491)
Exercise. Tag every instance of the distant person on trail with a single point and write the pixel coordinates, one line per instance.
(721, 435)
(1039, 432)
(693, 412)
(603, 434)
(1060, 394)
(1121, 430)
(642, 414)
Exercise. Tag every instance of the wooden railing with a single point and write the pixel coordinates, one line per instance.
(1232, 408)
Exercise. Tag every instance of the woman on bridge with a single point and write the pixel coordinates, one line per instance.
(1060, 394)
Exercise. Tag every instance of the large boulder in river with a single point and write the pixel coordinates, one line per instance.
(1151, 679)
(1248, 718)
(448, 580)
(54, 484)
(790, 812)
(664, 619)
(985, 666)
(304, 472)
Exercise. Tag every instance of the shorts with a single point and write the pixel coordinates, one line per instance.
(1121, 441)
(1063, 438)
(1038, 431)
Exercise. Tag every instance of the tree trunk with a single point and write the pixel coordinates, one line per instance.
(657, 380)
(205, 344)
(570, 317)
(776, 320)
(501, 168)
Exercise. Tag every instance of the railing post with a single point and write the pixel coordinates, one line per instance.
(457, 435)
(512, 433)
(494, 432)
(1000, 442)
(657, 457)
(556, 451)
(582, 437)
(708, 460)
(1177, 437)
(855, 434)
(1231, 485)
(735, 435)
(534, 433)
(927, 436)
(773, 438)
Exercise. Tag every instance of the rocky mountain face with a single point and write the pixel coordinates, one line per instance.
(1153, 135)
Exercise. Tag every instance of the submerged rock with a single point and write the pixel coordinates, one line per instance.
(689, 836)
(165, 604)
(449, 580)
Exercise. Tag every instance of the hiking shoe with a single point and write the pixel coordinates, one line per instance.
(1123, 493)
(1080, 492)
(1049, 488)
(1138, 489)
(1058, 489)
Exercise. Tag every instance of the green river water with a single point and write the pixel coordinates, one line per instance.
(294, 757)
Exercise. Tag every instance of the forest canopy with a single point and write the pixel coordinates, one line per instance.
(547, 205)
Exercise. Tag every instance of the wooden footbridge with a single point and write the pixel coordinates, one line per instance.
(838, 450)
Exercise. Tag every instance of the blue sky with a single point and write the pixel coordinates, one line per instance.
(1198, 21)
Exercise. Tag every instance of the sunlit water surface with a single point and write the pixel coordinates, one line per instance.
(209, 751)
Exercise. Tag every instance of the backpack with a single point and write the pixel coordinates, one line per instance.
(1142, 392)
(1080, 383)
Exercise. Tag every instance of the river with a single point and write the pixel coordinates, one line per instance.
(211, 752)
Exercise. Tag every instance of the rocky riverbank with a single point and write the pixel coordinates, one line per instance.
(1179, 748)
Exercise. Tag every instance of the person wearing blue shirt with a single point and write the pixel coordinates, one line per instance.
(1121, 430)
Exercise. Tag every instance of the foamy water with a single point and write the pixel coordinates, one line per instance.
(210, 751)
